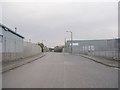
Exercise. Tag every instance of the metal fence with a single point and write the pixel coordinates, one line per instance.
(31, 49)
(105, 48)
(14, 49)
(11, 49)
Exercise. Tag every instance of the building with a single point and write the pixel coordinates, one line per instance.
(108, 48)
(11, 44)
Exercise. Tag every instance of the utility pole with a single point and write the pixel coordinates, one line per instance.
(65, 42)
(71, 40)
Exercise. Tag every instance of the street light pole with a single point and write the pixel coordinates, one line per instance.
(71, 40)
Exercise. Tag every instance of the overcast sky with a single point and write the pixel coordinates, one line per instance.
(49, 21)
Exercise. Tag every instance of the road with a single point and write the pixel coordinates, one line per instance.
(61, 70)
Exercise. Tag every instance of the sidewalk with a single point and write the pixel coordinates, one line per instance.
(104, 61)
(101, 60)
(17, 63)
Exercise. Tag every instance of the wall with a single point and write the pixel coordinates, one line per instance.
(104, 48)
(31, 49)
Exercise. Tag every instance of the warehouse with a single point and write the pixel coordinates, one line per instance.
(108, 48)
(11, 43)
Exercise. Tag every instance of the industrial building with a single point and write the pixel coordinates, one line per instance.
(13, 47)
(11, 44)
(107, 48)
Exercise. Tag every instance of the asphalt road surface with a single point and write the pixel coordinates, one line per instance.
(60, 70)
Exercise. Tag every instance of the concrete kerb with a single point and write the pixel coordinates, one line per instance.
(15, 65)
(95, 60)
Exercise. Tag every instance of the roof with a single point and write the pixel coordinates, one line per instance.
(8, 29)
(93, 40)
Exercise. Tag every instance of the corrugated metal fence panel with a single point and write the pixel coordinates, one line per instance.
(30, 49)
(104, 48)
(12, 49)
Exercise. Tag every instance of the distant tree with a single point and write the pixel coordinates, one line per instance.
(41, 45)
(58, 48)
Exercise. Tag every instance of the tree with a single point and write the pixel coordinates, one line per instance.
(41, 45)
(58, 49)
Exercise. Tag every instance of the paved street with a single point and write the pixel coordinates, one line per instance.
(60, 70)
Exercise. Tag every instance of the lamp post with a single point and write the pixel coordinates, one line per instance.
(71, 39)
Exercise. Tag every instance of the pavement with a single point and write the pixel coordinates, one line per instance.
(6, 66)
(61, 70)
(104, 61)
(100, 60)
